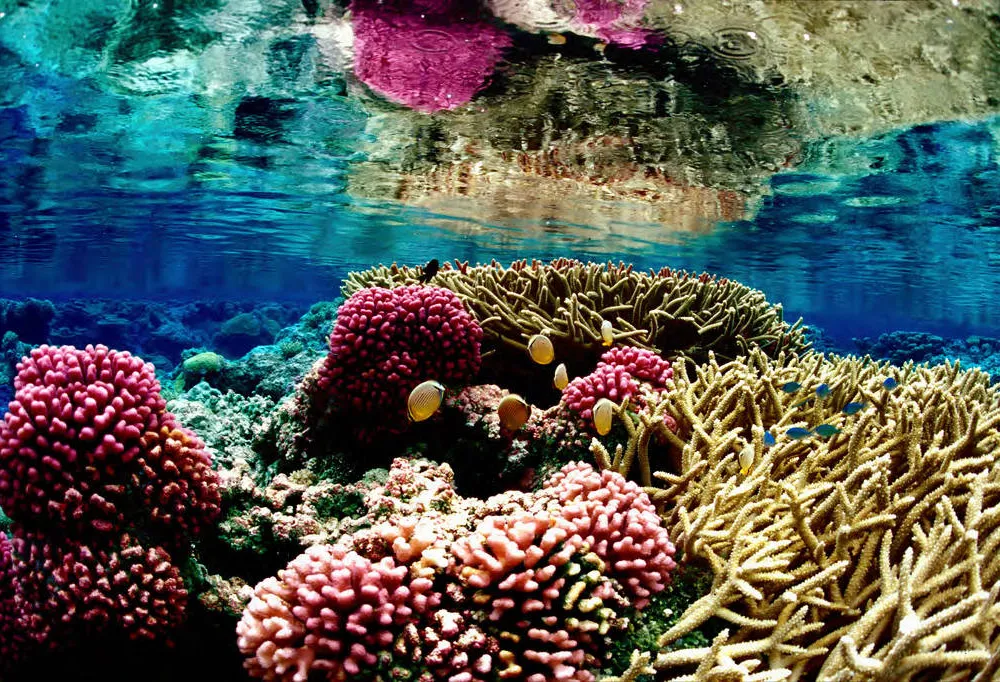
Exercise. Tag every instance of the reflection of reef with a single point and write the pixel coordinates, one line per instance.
(564, 131)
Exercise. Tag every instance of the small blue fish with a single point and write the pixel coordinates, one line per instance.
(853, 408)
(890, 384)
(798, 433)
(791, 387)
(769, 439)
(823, 391)
(826, 430)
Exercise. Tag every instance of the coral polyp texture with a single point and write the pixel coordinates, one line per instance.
(671, 312)
(867, 553)
(517, 587)
(385, 342)
(88, 439)
(329, 610)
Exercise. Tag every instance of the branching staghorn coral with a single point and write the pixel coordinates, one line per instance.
(672, 312)
(871, 554)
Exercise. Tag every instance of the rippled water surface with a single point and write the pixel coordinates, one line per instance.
(213, 148)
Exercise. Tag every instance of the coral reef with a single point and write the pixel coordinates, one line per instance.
(106, 490)
(521, 586)
(672, 313)
(383, 344)
(900, 347)
(841, 556)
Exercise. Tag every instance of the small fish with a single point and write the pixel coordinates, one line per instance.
(746, 459)
(557, 39)
(853, 408)
(791, 387)
(540, 349)
(823, 391)
(826, 430)
(561, 378)
(798, 433)
(424, 401)
(890, 384)
(604, 412)
(429, 271)
(769, 439)
(607, 333)
(514, 412)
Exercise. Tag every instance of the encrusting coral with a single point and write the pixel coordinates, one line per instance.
(867, 553)
(671, 312)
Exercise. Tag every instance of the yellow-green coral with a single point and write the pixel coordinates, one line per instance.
(673, 312)
(869, 555)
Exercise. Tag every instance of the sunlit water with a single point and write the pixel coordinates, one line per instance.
(117, 193)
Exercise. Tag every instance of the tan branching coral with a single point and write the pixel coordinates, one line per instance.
(869, 554)
(673, 312)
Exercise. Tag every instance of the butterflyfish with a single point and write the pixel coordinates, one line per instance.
(604, 412)
(607, 333)
(513, 411)
(561, 378)
(424, 400)
(746, 459)
(540, 349)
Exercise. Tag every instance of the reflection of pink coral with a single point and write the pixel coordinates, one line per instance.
(329, 610)
(430, 57)
(386, 341)
(619, 523)
(606, 381)
(644, 365)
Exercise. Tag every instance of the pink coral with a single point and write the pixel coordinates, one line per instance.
(386, 341)
(331, 611)
(431, 57)
(606, 381)
(450, 647)
(85, 430)
(642, 364)
(12, 622)
(541, 589)
(619, 523)
(71, 589)
(74, 426)
(179, 488)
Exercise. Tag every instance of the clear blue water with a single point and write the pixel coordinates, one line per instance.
(109, 192)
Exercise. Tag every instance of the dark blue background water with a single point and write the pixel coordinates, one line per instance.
(108, 195)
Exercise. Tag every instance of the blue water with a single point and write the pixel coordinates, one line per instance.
(107, 193)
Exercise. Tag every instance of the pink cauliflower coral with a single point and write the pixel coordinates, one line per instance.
(613, 382)
(619, 523)
(330, 611)
(70, 589)
(84, 432)
(178, 486)
(540, 589)
(386, 341)
(73, 429)
(644, 365)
